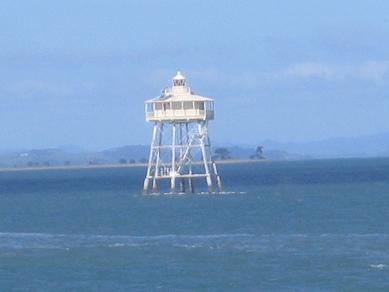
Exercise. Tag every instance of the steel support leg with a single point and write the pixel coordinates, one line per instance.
(204, 155)
(173, 169)
(151, 158)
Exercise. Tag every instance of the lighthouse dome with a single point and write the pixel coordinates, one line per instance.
(179, 79)
(178, 76)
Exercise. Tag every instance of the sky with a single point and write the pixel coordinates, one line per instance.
(77, 72)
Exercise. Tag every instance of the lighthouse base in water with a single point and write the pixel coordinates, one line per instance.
(180, 153)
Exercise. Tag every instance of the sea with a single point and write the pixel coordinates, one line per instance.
(320, 225)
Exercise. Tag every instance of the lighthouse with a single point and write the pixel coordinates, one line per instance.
(180, 150)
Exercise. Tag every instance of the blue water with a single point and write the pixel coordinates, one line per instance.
(282, 226)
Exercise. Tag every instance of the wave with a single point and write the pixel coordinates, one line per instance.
(47, 240)
(378, 266)
(198, 193)
(376, 244)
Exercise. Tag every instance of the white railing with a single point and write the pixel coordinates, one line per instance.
(171, 114)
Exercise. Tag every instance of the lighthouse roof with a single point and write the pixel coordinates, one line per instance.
(178, 92)
(172, 97)
(178, 76)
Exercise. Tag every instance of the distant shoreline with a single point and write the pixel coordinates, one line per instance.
(113, 165)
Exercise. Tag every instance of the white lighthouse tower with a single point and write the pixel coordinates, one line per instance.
(180, 150)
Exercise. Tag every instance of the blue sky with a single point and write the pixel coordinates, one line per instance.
(77, 72)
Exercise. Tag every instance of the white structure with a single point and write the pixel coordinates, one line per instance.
(180, 148)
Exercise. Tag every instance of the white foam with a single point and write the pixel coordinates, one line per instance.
(198, 193)
(61, 241)
(378, 266)
(117, 245)
(288, 243)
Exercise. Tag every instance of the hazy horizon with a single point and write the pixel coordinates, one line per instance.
(375, 144)
(78, 72)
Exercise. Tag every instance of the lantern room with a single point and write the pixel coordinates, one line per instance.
(178, 103)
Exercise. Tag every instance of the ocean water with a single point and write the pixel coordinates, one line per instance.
(280, 226)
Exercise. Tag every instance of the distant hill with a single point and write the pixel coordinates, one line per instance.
(73, 155)
(48, 157)
(343, 147)
(125, 154)
(246, 152)
(136, 152)
(364, 146)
